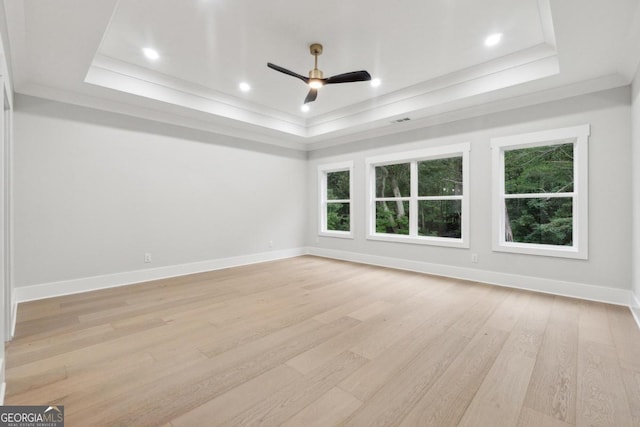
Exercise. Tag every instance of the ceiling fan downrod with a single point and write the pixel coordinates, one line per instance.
(315, 49)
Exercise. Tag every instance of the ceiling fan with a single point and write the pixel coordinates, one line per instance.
(316, 79)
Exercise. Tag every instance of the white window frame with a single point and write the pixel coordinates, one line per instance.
(323, 170)
(413, 157)
(579, 136)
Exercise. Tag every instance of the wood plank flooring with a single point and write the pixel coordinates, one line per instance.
(316, 342)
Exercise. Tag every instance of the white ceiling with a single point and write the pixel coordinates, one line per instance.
(429, 55)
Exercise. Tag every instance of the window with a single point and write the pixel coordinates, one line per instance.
(420, 196)
(540, 193)
(336, 189)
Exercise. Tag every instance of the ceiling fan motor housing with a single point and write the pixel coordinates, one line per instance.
(315, 74)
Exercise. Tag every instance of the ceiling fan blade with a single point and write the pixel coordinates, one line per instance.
(289, 72)
(311, 96)
(354, 76)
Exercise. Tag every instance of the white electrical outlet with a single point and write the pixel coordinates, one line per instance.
(474, 258)
(147, 257)
(270, 243)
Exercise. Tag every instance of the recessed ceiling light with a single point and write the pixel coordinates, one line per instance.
(375, 82)
(150, 53)
(305, 108)
(493, 39)
(244, 86)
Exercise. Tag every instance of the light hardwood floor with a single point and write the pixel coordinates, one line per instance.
(310, 341)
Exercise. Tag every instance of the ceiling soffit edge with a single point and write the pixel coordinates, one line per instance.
(168, 114)
(530, 64)
(124, 77)
(484, 104)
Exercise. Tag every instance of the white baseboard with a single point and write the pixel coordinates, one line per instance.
(635, 308)
(549, 286)
(86, 284)
(14, 316)
(3, 385)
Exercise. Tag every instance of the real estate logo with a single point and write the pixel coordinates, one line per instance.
(32, 416)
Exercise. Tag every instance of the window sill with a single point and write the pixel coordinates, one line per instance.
(429, 241)
(338, 234)
(541, 250)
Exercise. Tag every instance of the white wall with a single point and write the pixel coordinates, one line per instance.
(635, 159)
(609, 263)
(95, 191)
(8, 308)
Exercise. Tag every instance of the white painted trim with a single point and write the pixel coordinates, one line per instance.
(430, 153)
(546, 22)
(8, 209)
(549, 286)
(337, 234)
(86, 284)
(129, 78)
(442, 93)
(449, 242)
(203, 122)
(482, 106)
(322, 197)
(578, 136)
(412, 157)
(3, 385)
(635, 308)
(542, 138)
(537, 284)
(519, 67)
(14, 316)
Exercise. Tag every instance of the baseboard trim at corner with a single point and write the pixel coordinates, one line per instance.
(14, 316)
(3, 386)
(537, 284)
(635, 308)
(94, 283)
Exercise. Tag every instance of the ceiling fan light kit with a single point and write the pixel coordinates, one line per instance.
(316, 78)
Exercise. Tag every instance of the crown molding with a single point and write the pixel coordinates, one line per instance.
(425, 99)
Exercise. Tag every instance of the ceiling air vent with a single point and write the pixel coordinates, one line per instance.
(404, 119)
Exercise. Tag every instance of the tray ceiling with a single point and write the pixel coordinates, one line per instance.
(430, 57)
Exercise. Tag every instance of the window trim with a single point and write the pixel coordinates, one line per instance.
(579, 136)
(323, 170)
(412, 157)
